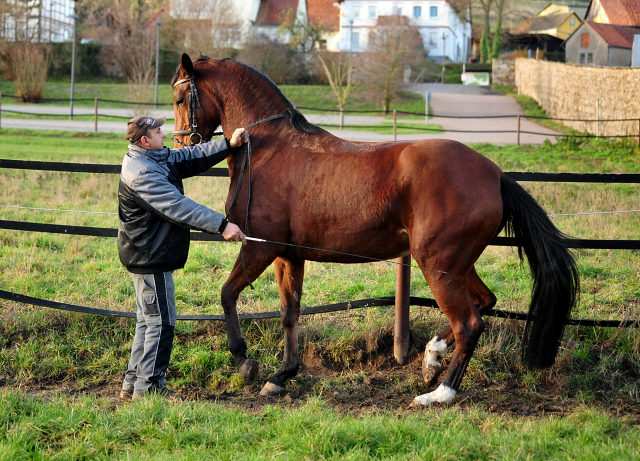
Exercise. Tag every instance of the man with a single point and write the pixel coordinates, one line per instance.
(153, 239)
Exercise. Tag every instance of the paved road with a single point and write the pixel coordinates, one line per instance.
(446, 100)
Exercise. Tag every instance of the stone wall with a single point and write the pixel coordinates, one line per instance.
(575, 92)
(503, 71)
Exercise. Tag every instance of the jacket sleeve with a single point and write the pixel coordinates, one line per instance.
(193, 160)
(154, 193)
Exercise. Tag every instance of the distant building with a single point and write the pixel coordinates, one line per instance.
(266, 16)
(42, 21)
(616, 12)
(596, 44)
(606, 38)
(547, 30)
(445, 34)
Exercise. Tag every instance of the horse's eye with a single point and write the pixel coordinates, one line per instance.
(179, 102)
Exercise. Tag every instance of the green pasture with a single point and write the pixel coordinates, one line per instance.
(70, 354)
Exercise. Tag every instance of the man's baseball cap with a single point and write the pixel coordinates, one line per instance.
(137, 127)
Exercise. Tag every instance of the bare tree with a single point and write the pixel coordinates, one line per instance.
(207, 26)
(392, 47)
(302, 35)
(338, 68)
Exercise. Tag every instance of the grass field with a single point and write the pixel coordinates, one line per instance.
(59, 372)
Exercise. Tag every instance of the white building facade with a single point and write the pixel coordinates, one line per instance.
(44, 21)
(443, 32)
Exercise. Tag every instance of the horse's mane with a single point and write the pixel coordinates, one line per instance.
(296, 119)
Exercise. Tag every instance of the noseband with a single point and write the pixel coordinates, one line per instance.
(194, 103)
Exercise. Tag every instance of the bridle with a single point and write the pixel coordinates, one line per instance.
(194, 104)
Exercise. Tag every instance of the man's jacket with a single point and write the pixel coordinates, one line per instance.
(155, 216)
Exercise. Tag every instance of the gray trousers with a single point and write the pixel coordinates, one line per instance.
(153, 340)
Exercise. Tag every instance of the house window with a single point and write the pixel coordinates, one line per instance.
(417, 11)
(397, 10)
(372, 11)
(355, 41)
(433, 12)
(433, 39)
(589, 58)
(585, 40)
(356, 11)
(582, 58)
(572, 23)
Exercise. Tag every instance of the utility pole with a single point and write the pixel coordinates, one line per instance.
(73, 63)
(444, 41)
(158, 23)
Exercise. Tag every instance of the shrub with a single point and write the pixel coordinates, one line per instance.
(26, 64)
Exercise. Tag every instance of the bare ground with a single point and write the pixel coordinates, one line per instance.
(379, 385)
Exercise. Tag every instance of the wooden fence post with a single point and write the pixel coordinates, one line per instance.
(401, 324)
(395, 137)
(95, 116)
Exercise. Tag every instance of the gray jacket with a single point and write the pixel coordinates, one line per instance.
(155, 216)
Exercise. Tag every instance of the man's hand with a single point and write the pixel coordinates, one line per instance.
(237, 139)
(233, 232)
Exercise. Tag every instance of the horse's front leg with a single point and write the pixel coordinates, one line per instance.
(290, 275)
(255, 263)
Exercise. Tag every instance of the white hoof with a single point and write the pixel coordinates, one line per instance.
(434, 351)
(443, 394)
(272, 389)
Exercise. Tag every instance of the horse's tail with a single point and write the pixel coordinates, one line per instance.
(556, 285)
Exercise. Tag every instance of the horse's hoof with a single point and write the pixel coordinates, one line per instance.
(272, 389)
(431, 373)
(443, 394)
(249, 370)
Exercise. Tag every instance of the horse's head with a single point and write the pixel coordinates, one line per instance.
(195, 112)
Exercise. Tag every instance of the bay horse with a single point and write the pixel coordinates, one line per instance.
(438, 200)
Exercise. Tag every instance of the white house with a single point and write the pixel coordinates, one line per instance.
(443, 31)
(265, 17)
(45, 21)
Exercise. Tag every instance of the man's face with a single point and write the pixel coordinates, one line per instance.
(154, 139)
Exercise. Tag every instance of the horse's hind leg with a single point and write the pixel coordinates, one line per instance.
(455, 301)
(483, 299)
(290, 275)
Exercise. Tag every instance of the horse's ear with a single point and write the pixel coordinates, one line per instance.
(186, 65)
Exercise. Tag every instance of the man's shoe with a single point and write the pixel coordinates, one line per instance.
(126, 394)
(164, 393)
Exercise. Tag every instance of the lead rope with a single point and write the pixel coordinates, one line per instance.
(245, 160)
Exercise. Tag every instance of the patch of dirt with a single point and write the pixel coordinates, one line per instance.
(377, 385)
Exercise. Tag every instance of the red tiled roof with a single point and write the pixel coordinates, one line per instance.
(619, 36)
(323, 13)
(270, 12)
(622, 12)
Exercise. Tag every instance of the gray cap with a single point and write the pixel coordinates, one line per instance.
(137, 127)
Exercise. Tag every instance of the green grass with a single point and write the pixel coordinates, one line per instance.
(89, 428)
(597, 368)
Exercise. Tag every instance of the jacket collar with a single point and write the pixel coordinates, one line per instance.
(158, 155)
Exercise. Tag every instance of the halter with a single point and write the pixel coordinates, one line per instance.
(194, 103)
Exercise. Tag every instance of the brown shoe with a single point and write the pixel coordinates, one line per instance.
(126, 394)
